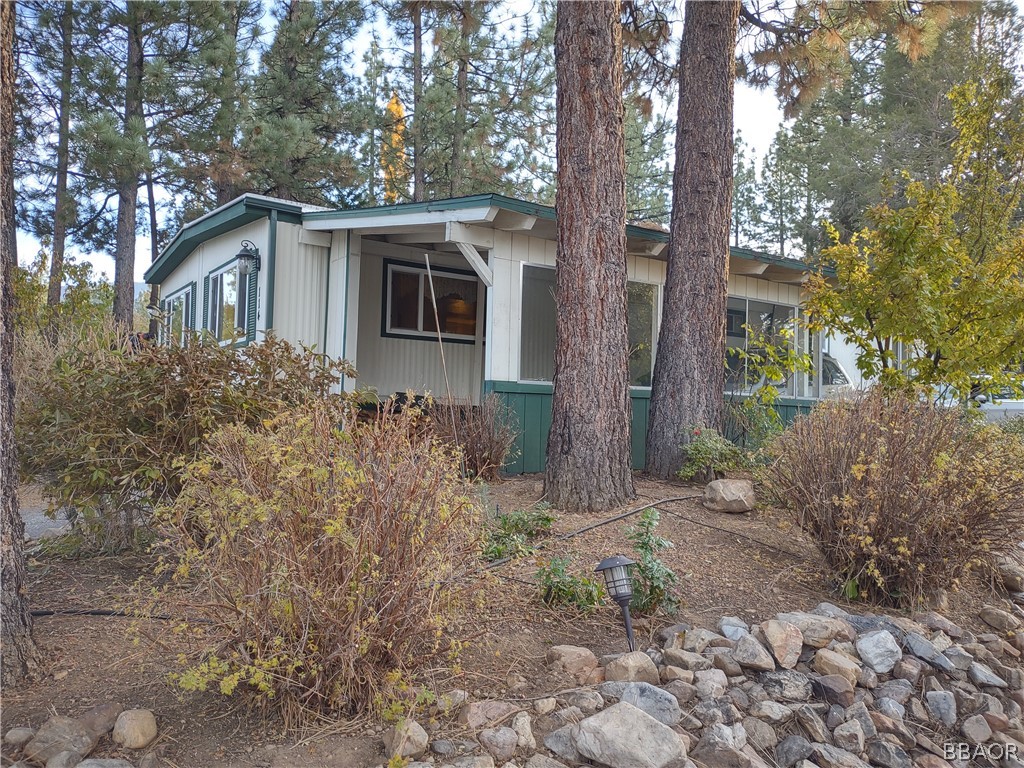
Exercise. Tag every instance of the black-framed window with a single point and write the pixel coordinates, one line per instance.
(179, 315)
(409, 305)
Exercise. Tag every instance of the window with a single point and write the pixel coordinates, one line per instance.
(748, 322)
(179, 315)
(409, 309)
(228, 310)
(537, 328)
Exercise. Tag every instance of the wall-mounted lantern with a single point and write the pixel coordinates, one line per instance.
(248, 259)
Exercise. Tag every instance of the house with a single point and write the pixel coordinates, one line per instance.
(355, 284)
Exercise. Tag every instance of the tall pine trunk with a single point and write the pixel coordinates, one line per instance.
(128, 177)
(418, 176)
(18, 654)
(588, 455)
(62, 206)
(689, 375)
(455, 178)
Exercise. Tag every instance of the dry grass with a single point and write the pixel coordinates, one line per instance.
(484, 432)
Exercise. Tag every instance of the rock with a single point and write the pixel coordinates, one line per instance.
(588, 701)
(718, 749)
(939, 623)
(104, 763)
(941, 706)
(879, 650)
(791, 750)
(687, 660)
(545, 706)
(16, 738)
(573, 660)
(59, 734)
(982, 675)
(733, 496)
(760, 735)
(524, 731)
(717, 712)
(772, 711)
(887, 755)
(751, 654)
(828, 662)
(895, 727)
(922, 648)
(891, 708)
(828, 756)
(812, 724)
(568, 716)
(897, 690)
(562, 744)
(733, 627)
(674, 635)
(976, 729)
(909, 669)
(471, 761)
(999, 723)
(543, 761)
(625, 737)
(859, 712)
(670, 673)
(450, 701)
(136, 729)
(479, 714)
(500, 742)
(784, 640)
(834, 689)
(722, 658)
(658, 703)
(696, 640)
(101, 718)
(407, 739)
(817, 631)
(64, 760)
(633, 667)
(787, 684)
(710, 683)
(849, 736)
(1012, 574)
(999, 619)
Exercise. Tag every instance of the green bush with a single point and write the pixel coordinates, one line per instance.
(558, 587)
(509, 534)
(902, 497)
(330, 561)
(107, 430)
(654, 583)
(1013, 426)
(708, 451)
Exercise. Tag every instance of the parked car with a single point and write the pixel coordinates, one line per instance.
(1000, 404)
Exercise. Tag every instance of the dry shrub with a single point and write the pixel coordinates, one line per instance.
(903, 498)
(331, 558)
(484, 432)
(108, 423)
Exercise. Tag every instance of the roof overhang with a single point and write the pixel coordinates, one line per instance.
(239, 212)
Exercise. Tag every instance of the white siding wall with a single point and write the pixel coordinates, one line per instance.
(301, 285)
(215, 253)
(391, 365)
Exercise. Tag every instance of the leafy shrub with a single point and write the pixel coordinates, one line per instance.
(508, 535)
(484, 432)
(751, 424)
(108, 426)
(558, 587)
(330, 560)
(708, 451)
(1013, 426)
(903, 498)
(654, 583)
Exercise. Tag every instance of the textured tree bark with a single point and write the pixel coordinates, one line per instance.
(62, 207)
(455, 179)
(418, 177)
(128, 181)
(18, 654)
(588, 454)
(689, 375)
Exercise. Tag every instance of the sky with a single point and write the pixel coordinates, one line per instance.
(757, 117)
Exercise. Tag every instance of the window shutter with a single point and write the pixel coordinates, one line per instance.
(252, 285)
(192, 306)
(162, 333)
(206, 303)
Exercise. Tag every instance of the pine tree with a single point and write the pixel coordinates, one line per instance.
(392, 153)
(746, 206)
(648, 175)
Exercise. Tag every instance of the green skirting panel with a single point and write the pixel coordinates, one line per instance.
(529, 407)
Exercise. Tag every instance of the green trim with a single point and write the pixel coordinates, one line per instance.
(206, 303)
(327, 296)
(235, 214)
(268, 325)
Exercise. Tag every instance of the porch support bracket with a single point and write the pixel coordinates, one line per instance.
(466, 238)
(477, 262)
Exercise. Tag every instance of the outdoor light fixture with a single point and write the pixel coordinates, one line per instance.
(248, 259)
(619, 583)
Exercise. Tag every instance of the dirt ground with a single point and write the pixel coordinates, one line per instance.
(750, 566)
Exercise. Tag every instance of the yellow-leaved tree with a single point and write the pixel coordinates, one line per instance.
(392, 153)
(932, 291)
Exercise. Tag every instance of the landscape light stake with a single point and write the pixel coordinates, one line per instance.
(619, 583)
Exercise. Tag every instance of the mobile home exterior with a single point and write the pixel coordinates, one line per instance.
(356, 284)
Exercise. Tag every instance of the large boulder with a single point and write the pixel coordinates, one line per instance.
(732, 496)
(60, 734)
(625, 737)
(135, 729)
